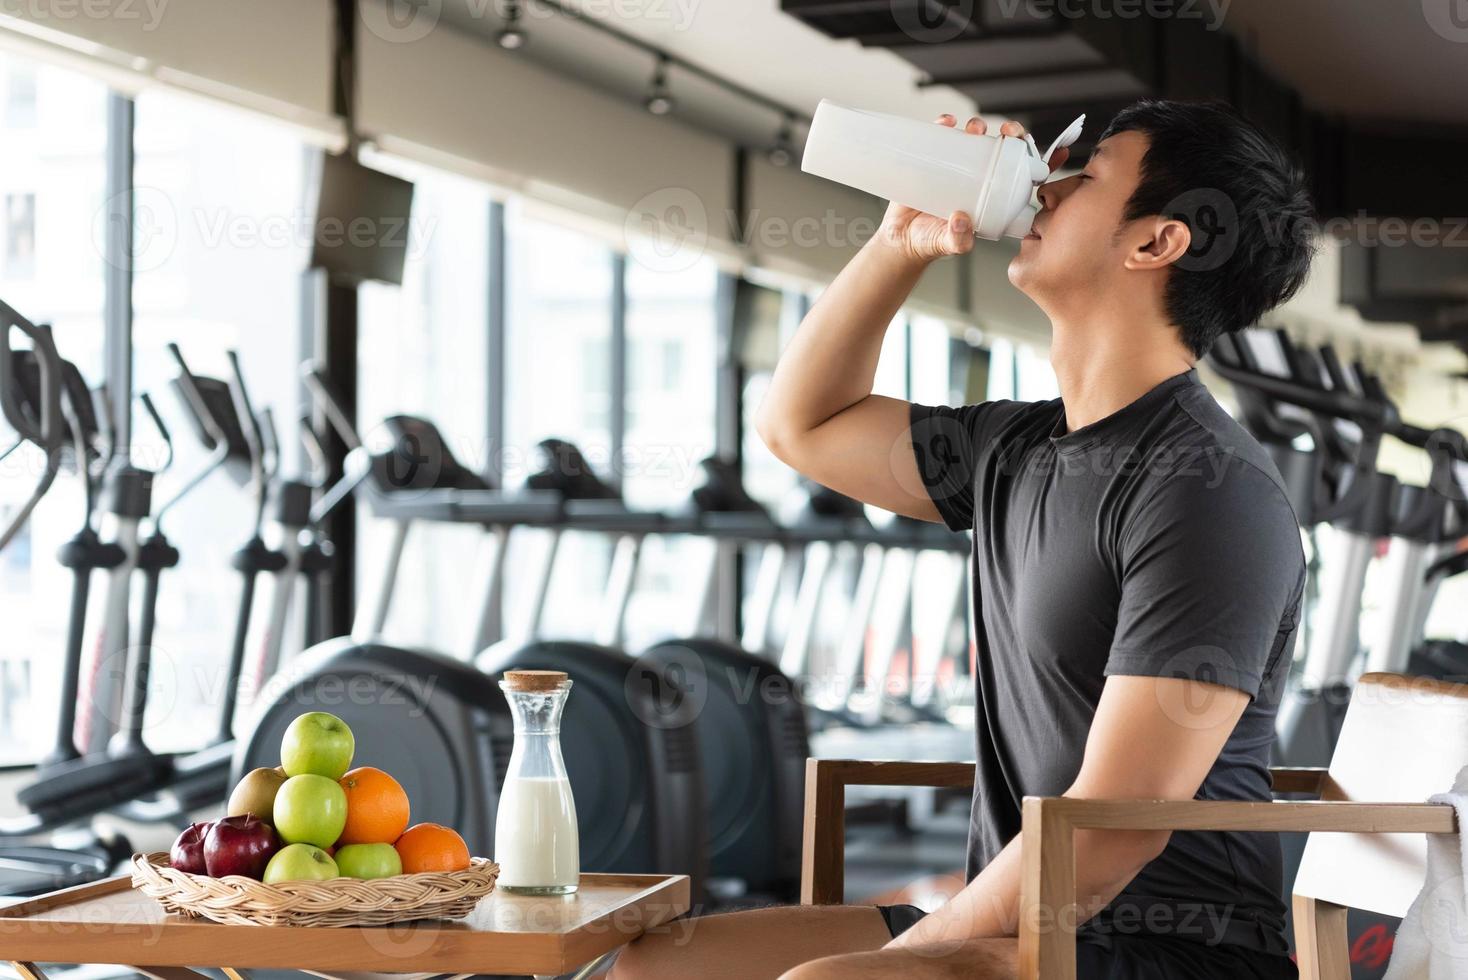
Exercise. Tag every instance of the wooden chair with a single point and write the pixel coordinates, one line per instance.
(1403, 740)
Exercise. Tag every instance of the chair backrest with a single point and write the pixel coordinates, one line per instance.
(1404, 739)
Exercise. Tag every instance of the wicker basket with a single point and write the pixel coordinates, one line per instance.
(236, 900)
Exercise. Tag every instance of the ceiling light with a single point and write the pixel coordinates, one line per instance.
(512, 37)
(782, 152)
(659, 100)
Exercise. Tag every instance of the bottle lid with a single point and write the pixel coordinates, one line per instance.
(534, 680)
(1066, 138)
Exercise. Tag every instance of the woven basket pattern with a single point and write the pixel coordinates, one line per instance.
(236, 900)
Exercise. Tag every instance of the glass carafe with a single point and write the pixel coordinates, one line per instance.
(535, 836)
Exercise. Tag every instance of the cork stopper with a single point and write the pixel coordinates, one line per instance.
(534, 680)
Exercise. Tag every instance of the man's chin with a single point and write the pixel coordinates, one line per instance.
(1021, 269)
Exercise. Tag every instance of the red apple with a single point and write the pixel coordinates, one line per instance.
(240, 845)
(187, 853)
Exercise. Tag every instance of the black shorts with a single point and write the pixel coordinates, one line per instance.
(1110, 957)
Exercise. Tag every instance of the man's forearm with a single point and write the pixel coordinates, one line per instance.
(831, 362)
(1106, 861)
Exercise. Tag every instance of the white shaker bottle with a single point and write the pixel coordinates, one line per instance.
(535, 833)
(935, 169)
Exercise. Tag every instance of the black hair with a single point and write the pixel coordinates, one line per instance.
(1209, 167)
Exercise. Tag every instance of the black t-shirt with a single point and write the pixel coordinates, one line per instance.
(1156, 542)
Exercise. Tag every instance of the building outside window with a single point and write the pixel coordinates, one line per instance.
(672, 360)
(557, 336)
(20, 237)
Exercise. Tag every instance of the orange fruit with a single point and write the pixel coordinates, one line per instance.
(377, 807)
(432, 847)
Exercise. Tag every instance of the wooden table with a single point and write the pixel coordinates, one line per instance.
(109, 922)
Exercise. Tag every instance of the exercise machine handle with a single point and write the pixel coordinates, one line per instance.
(1340, 403)
(215, 439)
(270, 442)
(254, 436)
(213, 431)
(1333, 370)
(1293, 363)
(48, 429)
(106, 427)
(323, 391)
(315, 451)
(157, 420)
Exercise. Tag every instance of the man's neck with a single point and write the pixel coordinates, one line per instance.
(1103, 367)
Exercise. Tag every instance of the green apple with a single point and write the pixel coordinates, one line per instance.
(310, 809)
(256, 794)
(318, 743)
(368, 861)
(300, 862)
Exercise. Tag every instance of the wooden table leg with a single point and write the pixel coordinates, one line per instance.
(27, 971)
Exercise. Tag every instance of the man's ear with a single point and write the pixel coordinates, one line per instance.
(1164, 241)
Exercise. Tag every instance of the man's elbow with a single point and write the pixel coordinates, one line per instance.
(774, 432)
(1123, 853)
(1137, 849)
(1151, 846)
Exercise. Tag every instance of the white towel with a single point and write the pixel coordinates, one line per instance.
(1432, 942)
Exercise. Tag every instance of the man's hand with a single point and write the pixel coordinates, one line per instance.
(924, 237)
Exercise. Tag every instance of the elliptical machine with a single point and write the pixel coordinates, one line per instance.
(99, 760)
(44, 400)
(1337, 482)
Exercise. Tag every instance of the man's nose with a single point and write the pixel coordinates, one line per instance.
(1052, 192)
